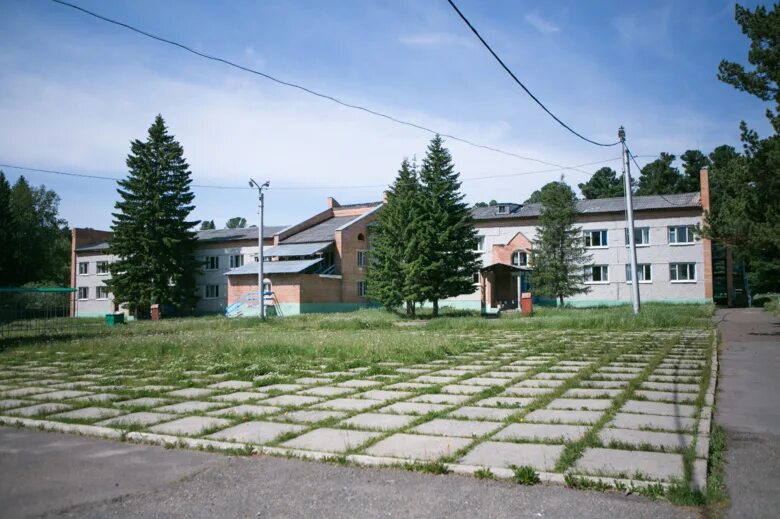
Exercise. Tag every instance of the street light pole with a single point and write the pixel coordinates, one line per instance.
(630, 221)
(260, 198)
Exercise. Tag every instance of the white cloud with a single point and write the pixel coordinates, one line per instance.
(540, 24)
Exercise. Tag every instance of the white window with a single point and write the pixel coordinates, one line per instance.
(597, 274)
(475, 278)
(212, 291)
(681, 234)
(83, 268)
(212, 262)
(102, 292)
(641, 235)
(480, 243)
(83, 292)
(682, 272)
(594, 239)
(519, 258)
(362, 289)
(362, 258)
(236, 260)
(102, 267)
(502, 209)
(645, 271)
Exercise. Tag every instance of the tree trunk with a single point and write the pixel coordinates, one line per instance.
(560, 298)
(435, 308)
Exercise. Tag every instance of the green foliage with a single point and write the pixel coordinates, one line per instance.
(659, 177)
(537, 197)
(604, 183)
(525, 475)
(152, 237)
(486, 204)
(35, 242)
(559, 252)
(207, 225)
(236, 222)
(484, 473)
(693, 162)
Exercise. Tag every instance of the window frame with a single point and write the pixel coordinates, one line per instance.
(98, 289)
(86, 294)
(689, 231)
(480, 243)
(232, 260)
(208, 263)
(85, 264)
(589, 269)
(362, 288)
(206, 291)
(103, 263)
(641, 229)
(675, 267)
(362, 258)
(588, 238)
(502, 209)
(518, 264)
(640, 266)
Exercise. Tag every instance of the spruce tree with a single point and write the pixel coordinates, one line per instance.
(153, 238)
(7, 236)
(660, 177)
(559, 254)
(605, 183)
(393, 244)
(447, 258)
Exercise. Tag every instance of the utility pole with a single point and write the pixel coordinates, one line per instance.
(260, 288)
(630, 221)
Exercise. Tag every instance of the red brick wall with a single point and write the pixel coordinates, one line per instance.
(704, 180)
(503, 253)
(347, 246)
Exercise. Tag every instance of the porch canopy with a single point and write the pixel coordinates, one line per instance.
(498, 266)
(287, 250)
(274, 267)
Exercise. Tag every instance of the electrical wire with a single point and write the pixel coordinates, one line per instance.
(633, 159)
(514, 77)
(303, 88)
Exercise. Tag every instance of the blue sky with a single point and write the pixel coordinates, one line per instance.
(75, 91)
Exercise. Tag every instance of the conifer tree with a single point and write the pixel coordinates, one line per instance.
(604, 183)
(7, 241)
(559, 254)
(207, 225)
(393, 242)
(447, 258)
(153, 238)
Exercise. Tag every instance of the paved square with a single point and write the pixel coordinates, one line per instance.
(379, 422)
(255, 432)
(542, 432)
(331, 440)
(142, 418)
(462, 428)
(189, 426)
(620, 463)
(89, 413)
(246, 410)
(505, 455)
(417, 446)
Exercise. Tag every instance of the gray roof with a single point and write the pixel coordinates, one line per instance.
(321, 232)
(90, 247)
(248, 233)
(596, 206)
(296, 249)
(274, 267)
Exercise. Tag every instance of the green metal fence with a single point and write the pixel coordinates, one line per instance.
(30, 312)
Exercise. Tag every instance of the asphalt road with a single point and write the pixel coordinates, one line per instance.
(748, 408)
(64, 475)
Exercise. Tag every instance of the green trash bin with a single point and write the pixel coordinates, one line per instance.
(114, 319)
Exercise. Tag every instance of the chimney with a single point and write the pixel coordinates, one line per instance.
(332, 203)
(384, 197)
(704, 181)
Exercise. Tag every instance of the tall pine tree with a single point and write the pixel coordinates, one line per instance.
(604, 183)
(7, 241)
(391, 278)
(659, 177)
(153, 238)
(559, 254)
(447, 239)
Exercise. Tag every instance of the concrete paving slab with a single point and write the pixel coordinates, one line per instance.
(89, 413)
(359, 384)
(458, 428)
(100, 397)
(417, 446)
(240, 396)
(25, 391)
(309, 381)
(408, 385)
(621, 463)
(232, 384)
(38, 409)
(604, 384)
(382, 394)
(60, 395)
(483, 413)
(331, 440)
(666, 396)
(579, 392)
(189, 407)
(191, 392)
(189, 425)
(311, 416)
(505, 455)
(542, 432)
(440, 398)
(348, 404)
(485, 381)
(327, 391)
(255, 432)
(143, 402)
(281, 388)
(588, 404)
(504, 401)
(246, 410)
(460, 389)
(11, 403)
(528, 391)
(415, 408)
(291, 400)
(639, 406)
(664, 440)
(535, 382)
(141, 418)
(431, 379)
(667, 386)
(652, 422)
(379, 422)
(552, 375)
(567, 417)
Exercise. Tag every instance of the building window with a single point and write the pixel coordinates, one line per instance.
(362, 289)
(641, 235)
(682, 234)
(102, 267)
(595, 239)
(597, 274)
(645, 273)
(682, 272)
(502, 209)
(101, 292)
(212, 291)
(519, 258)
(236, 260)
(212, 262)
(83, 293)
(83, 268)
(362, 258)
(480, 244)
(475, 278)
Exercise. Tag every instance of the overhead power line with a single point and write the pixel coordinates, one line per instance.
(514, 77)
(304, 88)
(639, 168)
